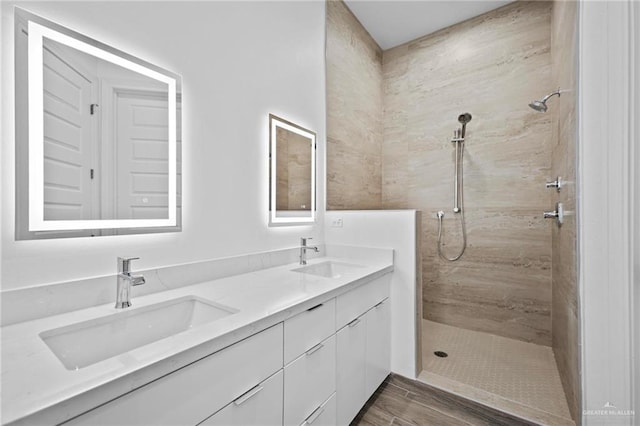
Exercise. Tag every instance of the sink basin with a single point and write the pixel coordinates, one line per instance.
(328, 269)
(85, 343)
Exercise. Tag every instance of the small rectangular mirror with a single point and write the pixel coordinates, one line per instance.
(98, 144)
(292, 173)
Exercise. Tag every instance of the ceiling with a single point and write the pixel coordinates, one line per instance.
(392, 23)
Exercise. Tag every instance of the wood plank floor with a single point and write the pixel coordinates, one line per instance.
(401, 402)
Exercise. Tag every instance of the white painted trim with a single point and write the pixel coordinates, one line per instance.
(604, 207)
(635, 194)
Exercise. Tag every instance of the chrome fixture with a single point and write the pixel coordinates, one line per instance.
(458, 194)
(125, 281)
(303, 250)
(555, 184)
(557, 214)
(541, 105)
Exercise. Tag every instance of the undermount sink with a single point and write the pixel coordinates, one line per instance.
(328, 269)
(85, 343)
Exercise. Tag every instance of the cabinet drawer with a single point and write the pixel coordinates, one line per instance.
(308, 328)
(191, 394)
(309, 381)
(259, 406)
(325, 415)
(356, 302)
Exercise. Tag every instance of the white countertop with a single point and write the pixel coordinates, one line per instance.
(37, 388)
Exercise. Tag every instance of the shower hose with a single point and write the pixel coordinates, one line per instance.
(462, 222)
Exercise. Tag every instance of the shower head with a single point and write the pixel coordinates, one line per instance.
(464, 118)
(541, 105)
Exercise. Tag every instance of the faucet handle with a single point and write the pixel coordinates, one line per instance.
(124, 264)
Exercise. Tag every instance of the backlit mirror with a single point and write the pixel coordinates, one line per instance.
(292, 173)
(98, 131)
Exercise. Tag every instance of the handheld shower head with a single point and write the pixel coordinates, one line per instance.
(464, 118)
(541, 105)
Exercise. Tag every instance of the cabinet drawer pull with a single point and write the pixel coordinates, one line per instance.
(248, 395)
(315, 348)
(314, 307)
(312, 418)
(354, 322)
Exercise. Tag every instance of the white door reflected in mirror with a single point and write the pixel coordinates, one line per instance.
(103, 137)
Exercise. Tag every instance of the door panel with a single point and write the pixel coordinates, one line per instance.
(142, 146)
(68, 140)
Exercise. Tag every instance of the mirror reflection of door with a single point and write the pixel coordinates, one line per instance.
(106, 134)
(293, 171)
(142, 146)
(69, 137)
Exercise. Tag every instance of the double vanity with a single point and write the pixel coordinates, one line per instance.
(285, 343)
(292, 344)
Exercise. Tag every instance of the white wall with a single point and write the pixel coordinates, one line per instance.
(394, 229)
(239, 62)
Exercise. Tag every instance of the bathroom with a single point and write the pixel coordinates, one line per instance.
(382, 118)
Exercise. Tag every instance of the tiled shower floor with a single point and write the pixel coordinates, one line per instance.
(517, 371)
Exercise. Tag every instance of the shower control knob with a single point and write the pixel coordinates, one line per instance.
(555, 184)
(557, 214)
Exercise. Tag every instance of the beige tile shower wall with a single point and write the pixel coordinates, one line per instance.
(564, 307)
(354, 113)
(491, 66)
(293, 165)
(299, 165)
(282, 169)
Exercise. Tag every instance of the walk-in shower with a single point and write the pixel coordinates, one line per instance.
(458, 191)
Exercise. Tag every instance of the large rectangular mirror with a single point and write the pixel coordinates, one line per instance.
(98, 132)
(292, 173)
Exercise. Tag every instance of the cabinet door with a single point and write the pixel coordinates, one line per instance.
(309, 381)
(378, 357)
(305, 330)
(260, 406)
(359, 300)
(350, 369)
(324, 415)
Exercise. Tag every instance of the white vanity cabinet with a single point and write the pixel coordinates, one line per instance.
(310, 363)
(195, 392)
(300, 372)
(363, 346)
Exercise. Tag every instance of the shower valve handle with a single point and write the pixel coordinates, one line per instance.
(555, 184)
(557, 214)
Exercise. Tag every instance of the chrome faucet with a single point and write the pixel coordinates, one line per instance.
(303, 250)
(125, 281)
